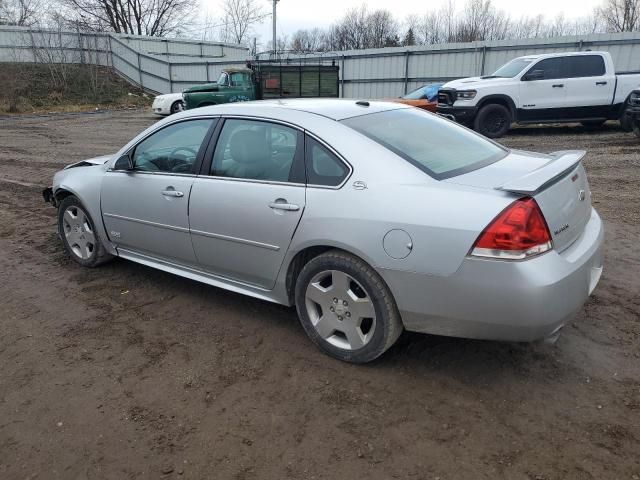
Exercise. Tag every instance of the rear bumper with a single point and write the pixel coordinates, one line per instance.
(464, 115)
(501, 300)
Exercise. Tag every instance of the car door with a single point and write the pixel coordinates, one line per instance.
(588, 85)
(542, 90)
(145, 209)
(246, 204)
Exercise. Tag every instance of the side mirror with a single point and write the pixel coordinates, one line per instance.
(124, 163)
(533, 75)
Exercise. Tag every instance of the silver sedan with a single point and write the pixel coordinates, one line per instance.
(369, 217)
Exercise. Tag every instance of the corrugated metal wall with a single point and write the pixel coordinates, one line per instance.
(157, 64)
(390, 72)
(165, 65)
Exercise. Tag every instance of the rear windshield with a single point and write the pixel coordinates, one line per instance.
(437, 146)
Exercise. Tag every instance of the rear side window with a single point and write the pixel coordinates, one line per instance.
(552, 68)
(255, 150)
(585, 66)
(437, 146)
(323, 167)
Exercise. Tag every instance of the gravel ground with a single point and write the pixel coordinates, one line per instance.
(128, 372)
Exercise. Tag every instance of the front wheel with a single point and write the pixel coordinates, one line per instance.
(636, 127)
(493, 121)
(177, 106)
(345, 308)
(79, 236)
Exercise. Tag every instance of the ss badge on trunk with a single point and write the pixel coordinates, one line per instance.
(582, 195)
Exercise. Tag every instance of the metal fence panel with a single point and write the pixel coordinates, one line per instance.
(163, 65)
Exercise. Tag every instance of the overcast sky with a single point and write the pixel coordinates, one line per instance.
(296, 14)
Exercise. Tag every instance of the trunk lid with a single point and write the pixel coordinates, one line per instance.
(558, 183)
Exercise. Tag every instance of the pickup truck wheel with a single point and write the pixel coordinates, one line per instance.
(626, 122)
(592, 123)
(493, 121)
(78, 234)
(636, 128)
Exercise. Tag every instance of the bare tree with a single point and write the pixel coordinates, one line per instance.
(240, 16)
(621, 15)
(138, 17)
(382, 29)
(304, 41)
(21, 12)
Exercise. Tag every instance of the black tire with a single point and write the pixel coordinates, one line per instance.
(635, 126)
(592, 123)
(177, 106)
(96, 255)
(387, 325)
(626, 122)
(493, 121)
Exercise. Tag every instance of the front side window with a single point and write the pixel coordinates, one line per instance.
(551, 68)
(255, 150)
(323, 167)
(173, 149)
(437, 146)
(585, 66)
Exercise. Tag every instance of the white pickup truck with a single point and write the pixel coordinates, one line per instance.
(559, 87)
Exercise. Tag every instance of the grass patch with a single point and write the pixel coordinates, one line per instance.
(38, 88)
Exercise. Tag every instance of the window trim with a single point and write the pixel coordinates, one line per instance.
(336, 154)
(199, 157)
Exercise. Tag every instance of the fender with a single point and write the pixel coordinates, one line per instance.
(87, 188)
(502, 99)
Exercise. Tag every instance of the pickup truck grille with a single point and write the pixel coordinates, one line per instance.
(446, 97)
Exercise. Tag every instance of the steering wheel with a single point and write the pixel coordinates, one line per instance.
(180, 161)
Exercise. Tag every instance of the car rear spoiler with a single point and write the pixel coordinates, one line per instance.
(531, 183)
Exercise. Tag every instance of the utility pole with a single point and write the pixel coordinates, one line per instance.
(275, 44)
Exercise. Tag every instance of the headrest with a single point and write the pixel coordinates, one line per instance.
(249, 146)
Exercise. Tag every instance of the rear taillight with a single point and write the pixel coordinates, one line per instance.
(519, 232)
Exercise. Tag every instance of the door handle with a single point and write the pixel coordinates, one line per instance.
(172, 193)
(282, 204)
(601, 83)
(558, 85)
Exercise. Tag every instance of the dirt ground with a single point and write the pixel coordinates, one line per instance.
(127, 372)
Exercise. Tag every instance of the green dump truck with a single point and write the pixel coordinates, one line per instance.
(264, 81)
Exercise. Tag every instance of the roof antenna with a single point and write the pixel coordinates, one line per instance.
(362, 103)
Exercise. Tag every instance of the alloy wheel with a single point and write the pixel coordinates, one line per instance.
(78, 232)
(340, 309)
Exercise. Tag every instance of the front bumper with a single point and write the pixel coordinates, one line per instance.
(48, 196)
(464, 115)
(501, 300)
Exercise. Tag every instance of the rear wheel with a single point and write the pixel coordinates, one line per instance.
(626, 122)
(493, 121)
(345, 307)
(78, 234)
